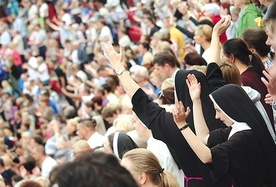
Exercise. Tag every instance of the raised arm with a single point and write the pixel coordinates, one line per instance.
(200, 149)
(201, 128)
(218, 29)
(116, 60)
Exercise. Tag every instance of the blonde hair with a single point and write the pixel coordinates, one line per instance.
(43, 181)
(230, 73)
(124, 123)
(143, 160)
(205, 31)
(80, 146)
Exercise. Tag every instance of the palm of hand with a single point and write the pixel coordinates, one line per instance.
(194, 90)
(110, 53)
(194, 87)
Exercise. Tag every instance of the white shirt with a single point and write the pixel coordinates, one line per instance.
(32, 73)
(43, 71)
(47, 165)
(96, 140)
(105, 31)
(44, 11)
(161, 151)
(5, 38)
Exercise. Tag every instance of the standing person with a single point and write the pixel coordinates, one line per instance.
(244, 151)
(250, 67)
(161, 122)
(247, 16)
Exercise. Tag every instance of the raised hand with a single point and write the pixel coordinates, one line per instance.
(194, 87)
(270, 81)
(179, 114)
(222, 25)
(116, 59)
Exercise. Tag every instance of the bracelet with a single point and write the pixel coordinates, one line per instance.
(184, 127)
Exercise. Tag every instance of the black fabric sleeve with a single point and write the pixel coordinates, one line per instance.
(156, 118)
(194, 20)
(214, 76)
(186, 32)
(218, 136)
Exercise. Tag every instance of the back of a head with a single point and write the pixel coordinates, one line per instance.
(92, 169)
(30, 183)
(230, 73)
(144, 161)
(212, 9)
(194, 59)
(256, 38)
(120, 143)
(238, 48)
(124, 123)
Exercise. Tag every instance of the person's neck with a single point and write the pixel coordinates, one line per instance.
(172, 71)
(41, 160)
(241, 67)
(205, 45)
(89, 134)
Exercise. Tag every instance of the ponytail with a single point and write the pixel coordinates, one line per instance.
(257, 64)
(168, 180)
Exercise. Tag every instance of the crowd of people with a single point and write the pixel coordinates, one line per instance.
(137, 93)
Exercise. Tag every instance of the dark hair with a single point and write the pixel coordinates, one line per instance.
(69, 112)
(167, 96)
(194, 59)
(97, 99)
(101, 68)
(239, 49)
(92, 169)
(2, 162)
(169, 49)
(16, 178)
(30, 183)
(165, 57)
(38, 139)
(256, 38)
(145, 45)
(90, 104)
(88, 122)
(107, 87)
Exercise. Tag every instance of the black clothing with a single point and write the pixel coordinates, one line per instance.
(249, 156)
(163, 127)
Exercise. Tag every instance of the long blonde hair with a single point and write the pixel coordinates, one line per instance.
(146, 162)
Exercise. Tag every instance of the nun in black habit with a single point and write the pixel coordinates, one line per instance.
(119, 143)
(244, 151)
(162, 124)
(163, 128)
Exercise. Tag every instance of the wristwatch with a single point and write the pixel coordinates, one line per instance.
(120, 72)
